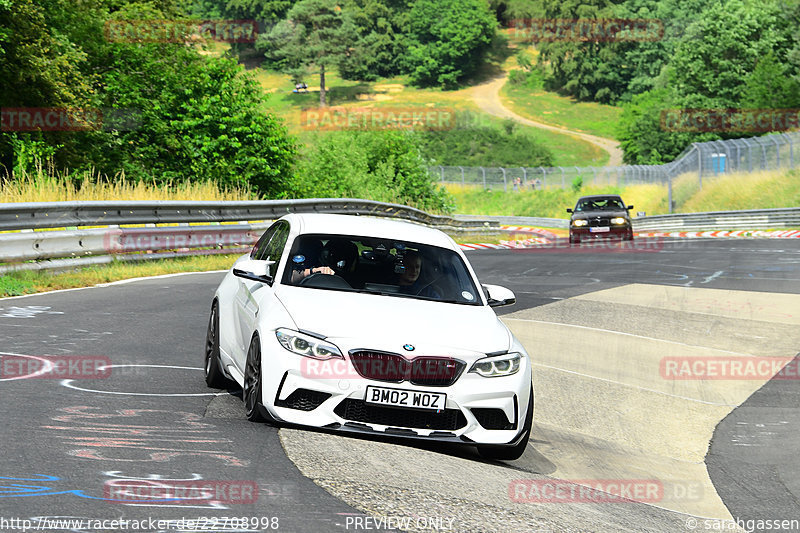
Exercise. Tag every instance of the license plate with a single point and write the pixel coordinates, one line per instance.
(411, 399)
(599, 230)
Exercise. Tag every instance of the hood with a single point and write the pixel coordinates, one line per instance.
(600, 213)
(390, 322)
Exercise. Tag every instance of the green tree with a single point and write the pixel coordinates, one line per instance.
(199, 117)
(383, 45)
(771, 86)
(382, 165)
(448, 40)
(316, 34)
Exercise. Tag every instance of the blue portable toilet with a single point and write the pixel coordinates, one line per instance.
(718, 163)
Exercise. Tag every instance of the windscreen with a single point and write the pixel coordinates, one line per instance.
(380, 266)
(600, 204)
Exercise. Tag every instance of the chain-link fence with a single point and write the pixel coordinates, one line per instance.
(706, 159)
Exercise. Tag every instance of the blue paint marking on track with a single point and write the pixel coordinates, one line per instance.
(14, 490)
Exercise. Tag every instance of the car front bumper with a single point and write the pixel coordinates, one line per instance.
(331, 394)
(613, 232)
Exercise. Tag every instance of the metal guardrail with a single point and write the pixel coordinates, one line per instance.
(722, 220)
(72, 214)
(97, 245)
(715, 220)
(215, 236)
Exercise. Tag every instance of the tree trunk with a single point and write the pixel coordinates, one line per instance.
(322, 86)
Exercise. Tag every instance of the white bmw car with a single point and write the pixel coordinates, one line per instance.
(371, 326)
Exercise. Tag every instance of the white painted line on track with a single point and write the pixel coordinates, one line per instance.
(629, 335)
(68, 384)
(637, 387)
(48, 366)
(713, 276)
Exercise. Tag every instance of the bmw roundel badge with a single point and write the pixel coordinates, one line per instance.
(408, 347)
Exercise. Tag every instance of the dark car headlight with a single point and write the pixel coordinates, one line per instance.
(580, 223)
(619, 221)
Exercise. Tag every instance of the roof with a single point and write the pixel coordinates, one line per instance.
(369, 227)
(594, 196)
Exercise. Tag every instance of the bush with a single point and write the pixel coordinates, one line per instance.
(384, 166)
(483, 146)
(532, 79)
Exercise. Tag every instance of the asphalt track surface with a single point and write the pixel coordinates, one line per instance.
(67, 444)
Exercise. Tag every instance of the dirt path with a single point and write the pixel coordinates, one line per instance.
(487, 97)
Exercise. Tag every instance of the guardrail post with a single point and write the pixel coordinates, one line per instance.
(441, 172)
(462, 176)
(563, 178)
(483, 170)
(524, 176)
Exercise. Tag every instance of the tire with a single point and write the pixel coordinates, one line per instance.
(251, 392)
(214, 375)
(510, 453)
(629, 236)
(574, 240)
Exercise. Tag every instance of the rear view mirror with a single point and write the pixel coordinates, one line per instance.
(253, 270)
(569, 210)
(498, 296)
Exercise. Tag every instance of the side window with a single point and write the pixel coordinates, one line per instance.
(260, 247)
(274, 249)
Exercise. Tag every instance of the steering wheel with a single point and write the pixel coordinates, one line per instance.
(325, 281)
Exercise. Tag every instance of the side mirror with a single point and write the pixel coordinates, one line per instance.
(569, 210)
(498, 296)
(630, 207)
(253, 270)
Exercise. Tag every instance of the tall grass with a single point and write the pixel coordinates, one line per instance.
(759, 190)
(45, 184)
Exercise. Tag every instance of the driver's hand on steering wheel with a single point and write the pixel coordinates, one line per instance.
(317, 270)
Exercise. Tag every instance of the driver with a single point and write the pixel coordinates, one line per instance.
(338, 257)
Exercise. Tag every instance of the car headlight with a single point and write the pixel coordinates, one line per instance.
(618, 220)
(580, 222)
(306, 345)
(497, 365)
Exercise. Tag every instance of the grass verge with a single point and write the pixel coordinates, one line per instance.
(556, 110)
(19, 283)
